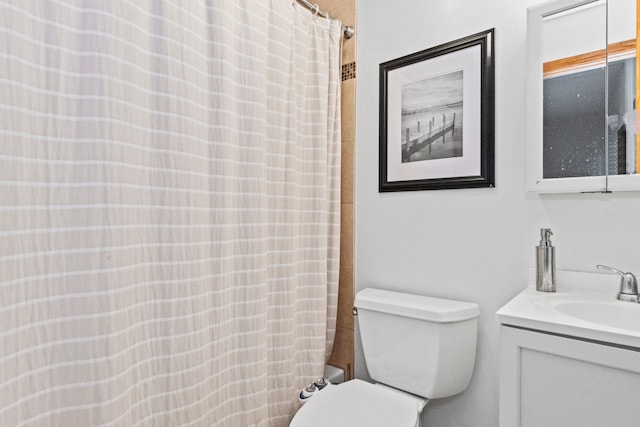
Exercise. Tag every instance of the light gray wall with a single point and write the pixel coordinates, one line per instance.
(477, 244)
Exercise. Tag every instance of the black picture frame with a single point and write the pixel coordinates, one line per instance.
(460, 75)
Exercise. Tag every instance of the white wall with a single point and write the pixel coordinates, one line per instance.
(477, 244)
(584, 29)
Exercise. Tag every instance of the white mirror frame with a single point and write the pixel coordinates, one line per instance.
(534, 125)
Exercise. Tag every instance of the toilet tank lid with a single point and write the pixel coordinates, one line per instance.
(415, 306)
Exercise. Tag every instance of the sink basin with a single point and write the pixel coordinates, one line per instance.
(615, 314)
(584, 307)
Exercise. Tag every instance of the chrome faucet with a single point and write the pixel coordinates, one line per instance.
(628, 284)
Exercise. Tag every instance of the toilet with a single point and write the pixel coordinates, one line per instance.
(416, 348)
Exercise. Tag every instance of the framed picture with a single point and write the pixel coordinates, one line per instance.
(437, 117)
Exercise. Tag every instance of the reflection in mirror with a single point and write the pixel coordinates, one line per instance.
(573, 56)
(582, 49)
(622, 87)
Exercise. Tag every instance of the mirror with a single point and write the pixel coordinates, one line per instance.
(581, 92)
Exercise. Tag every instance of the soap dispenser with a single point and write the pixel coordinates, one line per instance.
(545, 263)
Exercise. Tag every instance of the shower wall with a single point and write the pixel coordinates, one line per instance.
(342, 356)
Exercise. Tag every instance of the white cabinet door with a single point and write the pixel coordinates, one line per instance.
(552, 381)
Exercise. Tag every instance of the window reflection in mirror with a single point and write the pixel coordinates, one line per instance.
(622, 86)
(576, 117)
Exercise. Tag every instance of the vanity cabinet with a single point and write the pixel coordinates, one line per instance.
(552, 380)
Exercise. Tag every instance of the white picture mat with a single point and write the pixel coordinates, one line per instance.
(468, 60)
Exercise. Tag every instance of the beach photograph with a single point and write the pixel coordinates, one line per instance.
(432, 118)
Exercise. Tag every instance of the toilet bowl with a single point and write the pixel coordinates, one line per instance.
(357, 403)
(415, 347)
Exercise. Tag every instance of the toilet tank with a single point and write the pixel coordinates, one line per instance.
(419, 344)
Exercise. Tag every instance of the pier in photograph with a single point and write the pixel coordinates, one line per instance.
(424, 136)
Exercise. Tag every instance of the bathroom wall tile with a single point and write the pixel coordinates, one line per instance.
(348, 110)
(347, 171)
(348, 139)
(346, 235)
(342, 356)
(349, 49)
(345, 298)
(348, 71)
(344, 10)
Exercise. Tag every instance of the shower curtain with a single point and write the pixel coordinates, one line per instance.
(169, 210)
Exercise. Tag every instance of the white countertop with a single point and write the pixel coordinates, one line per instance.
(538, 310)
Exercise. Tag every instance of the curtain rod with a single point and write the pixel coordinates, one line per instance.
(348, 30)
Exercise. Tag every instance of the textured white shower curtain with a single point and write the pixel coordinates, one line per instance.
(169, 210)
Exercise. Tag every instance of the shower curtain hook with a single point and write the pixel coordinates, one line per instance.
(317, 10)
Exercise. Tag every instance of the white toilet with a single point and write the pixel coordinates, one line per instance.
(416, 347)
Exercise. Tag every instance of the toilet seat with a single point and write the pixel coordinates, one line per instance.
(357, 403)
